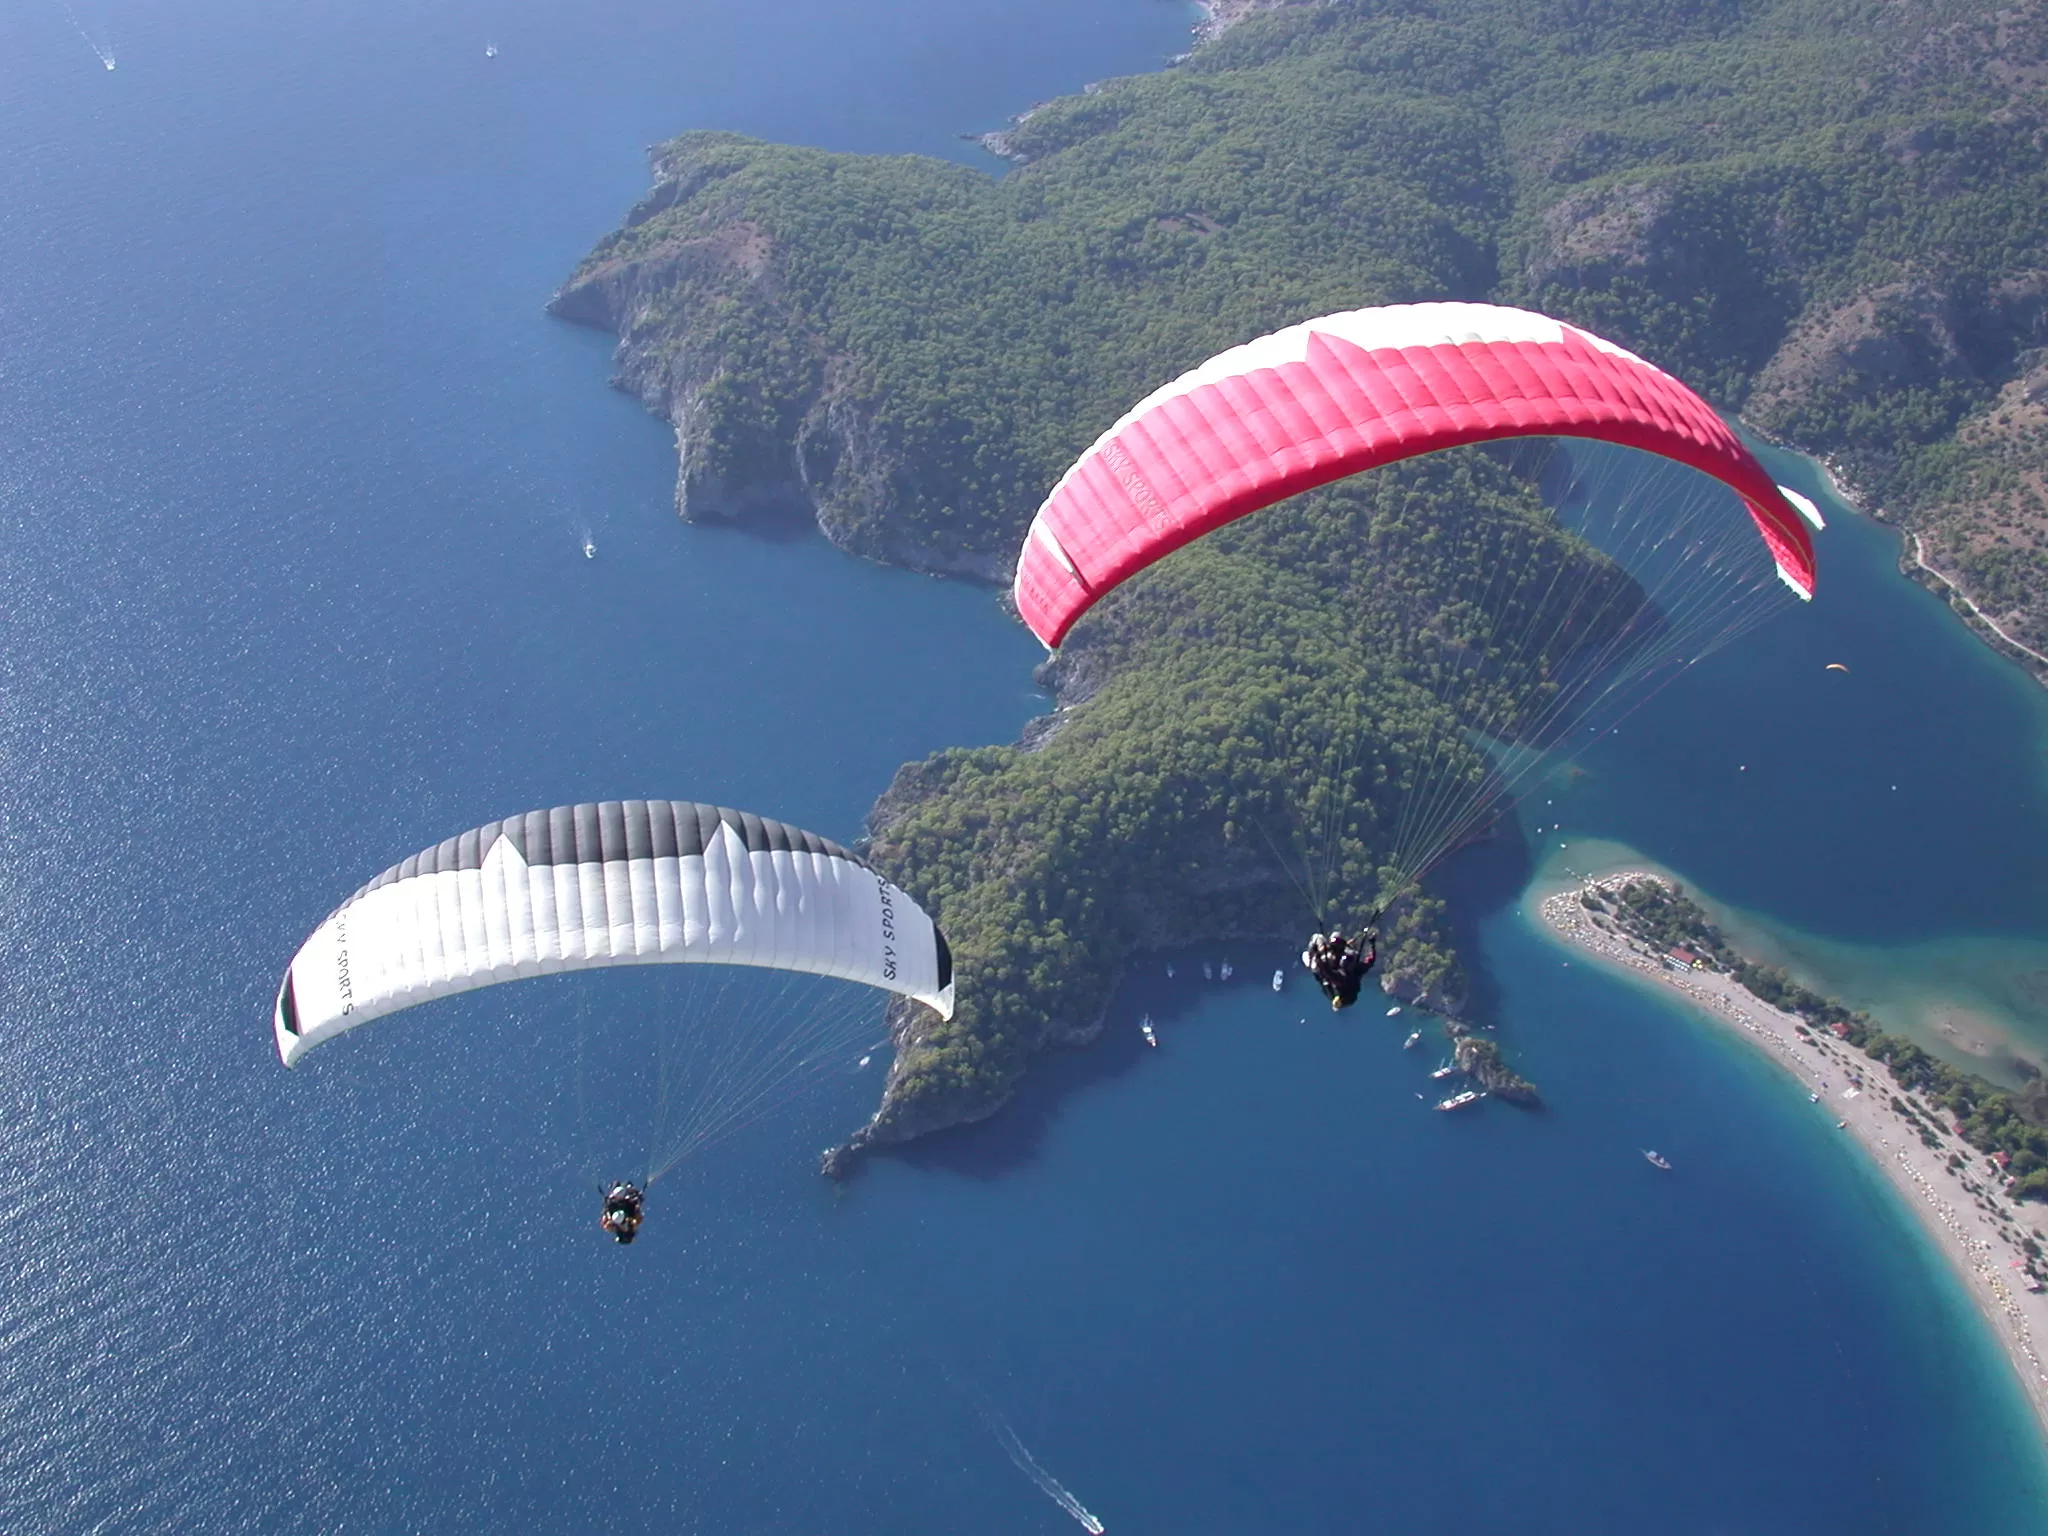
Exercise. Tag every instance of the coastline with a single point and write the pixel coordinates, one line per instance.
(1219, 16)
(1914, 564)
(1954, 593)
(1963, 1211)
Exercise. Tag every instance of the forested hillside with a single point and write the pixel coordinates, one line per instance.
(1209, 710)
(1829, 215)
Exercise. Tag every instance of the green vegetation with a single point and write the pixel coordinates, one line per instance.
(1168, 807)
(2011, 1126)
(1831, 214)
(1482, 1059)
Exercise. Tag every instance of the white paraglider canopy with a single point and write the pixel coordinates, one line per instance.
(622, 882)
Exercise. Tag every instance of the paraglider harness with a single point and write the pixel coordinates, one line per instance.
(1340, 965)
(622, 1211)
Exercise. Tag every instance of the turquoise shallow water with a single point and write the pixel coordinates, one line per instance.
(1880, 833)
(293, 481)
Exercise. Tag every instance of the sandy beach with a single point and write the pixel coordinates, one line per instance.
(1963, 1209)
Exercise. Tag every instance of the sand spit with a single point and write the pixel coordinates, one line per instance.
(1963, 1208)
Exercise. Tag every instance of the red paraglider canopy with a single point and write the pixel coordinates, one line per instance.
(1354, 391)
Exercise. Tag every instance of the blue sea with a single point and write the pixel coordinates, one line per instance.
(295, 479)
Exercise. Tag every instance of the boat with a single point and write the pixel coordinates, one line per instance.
(1208, 971)
(490, 50)
(1460, 1100)
(1279, 980)
(1394, 1012)
(1169, 970)
(1813, 1098)
(865, 1060)
(1657, 1159)
(589, 548)
(1226, 973)
(1409, 1043)
(1151, 1035)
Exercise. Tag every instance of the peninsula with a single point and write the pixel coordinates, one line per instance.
(1963, 1155)
(1831, 217)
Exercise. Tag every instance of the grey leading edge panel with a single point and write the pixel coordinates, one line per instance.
(622, 882)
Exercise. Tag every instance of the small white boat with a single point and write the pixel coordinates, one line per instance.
(1279, 980)
(589, 548)
(1460, 1100)
(1226, 973)
(490, 50)
(1394, 1012)
(1813, 1098)
(1169, 970)
(1409, 1043)
(1657, 1159)
(1446, 1070)
(1151, 1035)
(864, 1061)
(1208, 971)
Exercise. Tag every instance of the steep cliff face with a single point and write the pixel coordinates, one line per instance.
(737, 442)
(774, 423)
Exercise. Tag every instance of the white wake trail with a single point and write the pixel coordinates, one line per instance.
(104, 52)
(1026, 1463)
